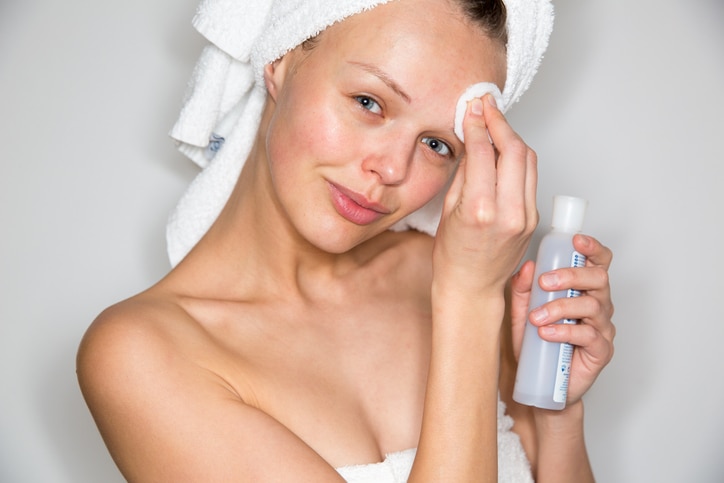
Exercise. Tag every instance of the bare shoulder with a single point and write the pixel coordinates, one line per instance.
(146, 371)
(132, 333)
(121, 362)
(140, 344)
(131, 357)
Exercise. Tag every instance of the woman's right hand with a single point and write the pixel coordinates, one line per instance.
(488, 217)
(490, 209)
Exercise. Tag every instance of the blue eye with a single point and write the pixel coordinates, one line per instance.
(438, 146)
(369, 104)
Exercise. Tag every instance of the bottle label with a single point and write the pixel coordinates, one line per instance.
(565, 354)
(563, 373)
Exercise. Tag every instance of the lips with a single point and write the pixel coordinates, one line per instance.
(355, 207)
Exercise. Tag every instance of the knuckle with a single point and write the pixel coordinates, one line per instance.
(529, 222)
(534, 220)
(483, 214)
(595, 305)
(516, 225)
(591, 335)
(611, 350)
(601, 275)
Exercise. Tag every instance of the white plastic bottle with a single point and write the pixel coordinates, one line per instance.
(544, 367)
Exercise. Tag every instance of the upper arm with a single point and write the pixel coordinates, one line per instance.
(164, 417)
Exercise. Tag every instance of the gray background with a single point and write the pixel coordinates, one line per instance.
(627, 112)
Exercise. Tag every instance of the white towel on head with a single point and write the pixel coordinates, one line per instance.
(530, 23)
(225, 99)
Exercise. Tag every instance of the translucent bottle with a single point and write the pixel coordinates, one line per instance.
(544, 367)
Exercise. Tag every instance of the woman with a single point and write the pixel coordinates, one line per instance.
(300, 334)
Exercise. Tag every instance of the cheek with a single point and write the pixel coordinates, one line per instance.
(309, 129)
(430, 181)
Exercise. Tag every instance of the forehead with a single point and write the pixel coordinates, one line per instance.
(419, 39)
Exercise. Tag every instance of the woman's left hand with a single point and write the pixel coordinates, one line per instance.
(593, 335)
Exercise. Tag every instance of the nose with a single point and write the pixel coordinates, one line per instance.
(390, 161)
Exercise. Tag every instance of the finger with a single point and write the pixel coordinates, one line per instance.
(531, 189)
(592, 281)
(583, 336)
(594, 306)
(590, 278)
(517, 172)
(501, 133)
(480, 173)
(587, 309)
(520, 288)
(574, 308)
(595, 252)
(522, 282)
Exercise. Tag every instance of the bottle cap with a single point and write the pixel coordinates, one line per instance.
(568, 213)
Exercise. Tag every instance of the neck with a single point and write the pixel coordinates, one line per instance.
(253, 250)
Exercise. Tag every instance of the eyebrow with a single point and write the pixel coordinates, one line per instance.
(384, 77)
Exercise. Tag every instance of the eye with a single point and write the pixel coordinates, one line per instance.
(368, 103)
(438, 146)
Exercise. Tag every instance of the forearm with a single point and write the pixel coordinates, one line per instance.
(562, 455)
(458, 440)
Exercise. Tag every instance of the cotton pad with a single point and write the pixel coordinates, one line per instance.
(475, 90)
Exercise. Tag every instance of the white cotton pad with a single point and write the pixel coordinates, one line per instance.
(475, 90)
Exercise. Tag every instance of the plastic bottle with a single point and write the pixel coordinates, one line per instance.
(544, 367)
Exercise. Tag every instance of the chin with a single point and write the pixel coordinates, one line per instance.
(339, 244)
(341, 237)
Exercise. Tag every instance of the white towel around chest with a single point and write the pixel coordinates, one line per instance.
(513, 465)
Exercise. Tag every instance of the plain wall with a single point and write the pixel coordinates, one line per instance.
(626, 111)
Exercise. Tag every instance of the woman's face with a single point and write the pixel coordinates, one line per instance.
(361, 133)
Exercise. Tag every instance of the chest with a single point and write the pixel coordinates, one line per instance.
(348, 381)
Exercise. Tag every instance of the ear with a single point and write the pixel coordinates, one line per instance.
(274, 75)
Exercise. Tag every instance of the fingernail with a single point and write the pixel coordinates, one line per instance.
(476, 106)
(548, 330)
(549, 280)
(586, 241)
(538, 315)
(491, 101)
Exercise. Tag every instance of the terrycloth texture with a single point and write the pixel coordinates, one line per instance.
(513, 466)
(394, 469)
(222, 110)
(475, 90)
